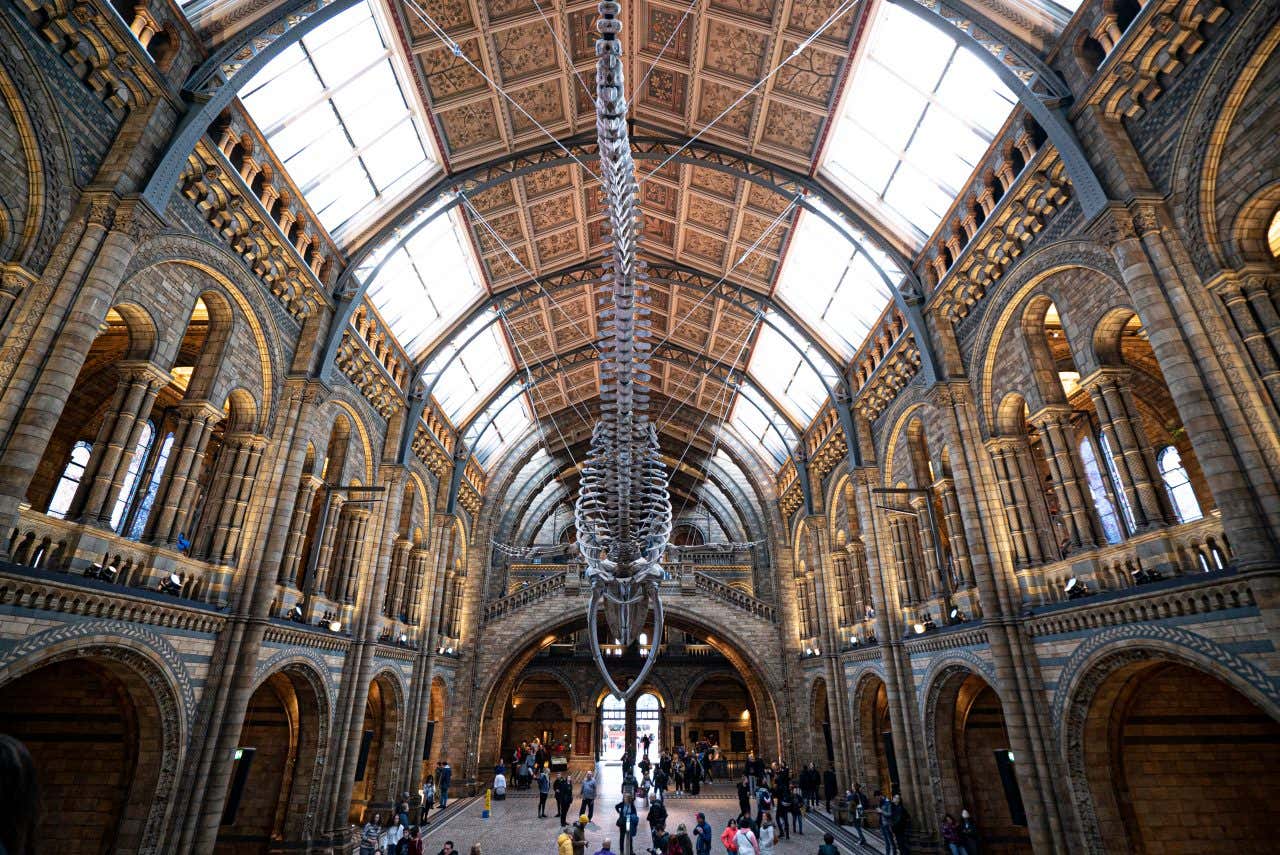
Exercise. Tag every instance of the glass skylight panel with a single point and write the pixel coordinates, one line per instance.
(335, 112)
(505, 420)
(919, 113)
(425, 285)
(481, 364)
(781, 368)
(754, 426)
(833, 284)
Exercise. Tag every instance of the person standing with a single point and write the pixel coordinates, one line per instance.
(544, 790)
(729, 837)
(830, 786)
(755, 770)
(369, 835)
(580, 836)
(644, 745)
(681, 844)
(828, 846)
(951, 835)
(499, 786)
(858, 806)
(744, 795)
(446, 778)
(702, 836)
(564, 798)
(747, 842)
(589, 796)
(390, 839)
(564, 843)
(901, 824)
(660, 781)
(797, 809)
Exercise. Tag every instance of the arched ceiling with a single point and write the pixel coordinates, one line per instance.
(807, 86)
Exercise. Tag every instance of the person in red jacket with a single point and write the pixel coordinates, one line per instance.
(729, 835)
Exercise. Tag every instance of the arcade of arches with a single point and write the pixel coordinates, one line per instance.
(966, 373)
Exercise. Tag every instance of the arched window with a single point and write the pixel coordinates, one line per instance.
(70, 480)
(153, 487)
(1109, 456)
(1273, 234)
(1181, 494)
(130, 485)
(1098, 490)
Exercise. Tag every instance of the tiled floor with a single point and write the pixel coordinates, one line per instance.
(514, 827)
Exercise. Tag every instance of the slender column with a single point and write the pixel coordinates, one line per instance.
(244, 452)
(945, 488)
(186, 458)
(1075, 503)
(860, 587)
(1135, 462)
(355, 553)
(396, 584)
(937, 584)
(290, 565)
(1253, 312)
(419, 561)
(113, 450)
(324, 545)
(1026, 543)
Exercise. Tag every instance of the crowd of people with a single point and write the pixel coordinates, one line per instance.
(773, 801)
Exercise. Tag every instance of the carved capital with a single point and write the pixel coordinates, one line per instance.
(14, 279)
(1112, 227)
(1146, 218)
(102, 211)
(141, 371)
(135, 220)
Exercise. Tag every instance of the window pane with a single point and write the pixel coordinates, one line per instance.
(65, 492)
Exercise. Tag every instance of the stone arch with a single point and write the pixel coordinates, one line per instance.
(519, 725)
(374, 788)
(1101, 679)
(150, 674)
(822, 744)
(963, 768)
(1249, 243)
(364, 461)
(242, 412)
(871, 723)
(298, 681)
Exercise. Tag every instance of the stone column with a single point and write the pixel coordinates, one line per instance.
(350, 552)
(938, 584)
(291, 564)
(49, 334)
(243, 452)
(1251, 303)
(13, 281)
(1075, 503)
(391, 606)
(1135, 462)
(1014, 497)
(419, 561)
(945, 488)
(176, 493)
(117, 440)
(323, 545)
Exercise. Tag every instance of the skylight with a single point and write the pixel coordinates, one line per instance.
(750, 421)
(838, 292)
(425, 285)
(334, 111)
(919, 113)
(504, 420)
(480, 364)
(778, 363)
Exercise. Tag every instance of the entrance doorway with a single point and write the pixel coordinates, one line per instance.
(613, 721)
(649, 723)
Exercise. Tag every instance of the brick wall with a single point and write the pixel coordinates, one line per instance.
(268, 728)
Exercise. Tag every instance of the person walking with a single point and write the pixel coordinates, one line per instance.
(744, 795)
(499, 786)
(389, 840)
(428, 800)
(885, 809)
(969, 832)
(446, 778)
(858, 806)
(783, 803)
(588, 796)
(830, 786)
(628, 824)
(660, 781)
(768, 835)
(657, 818)
(747, 842)
(544, 790)
(415, 842)
(702, 835)
(644, 745)
(797, 809)
(901, 824)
